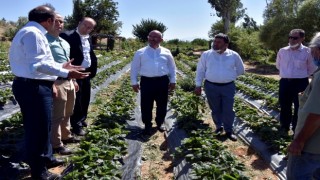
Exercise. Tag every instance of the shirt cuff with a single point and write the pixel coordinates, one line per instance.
(63, 73)
(198, 84)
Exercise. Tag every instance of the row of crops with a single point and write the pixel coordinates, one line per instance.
(100, 152)
(11, 131)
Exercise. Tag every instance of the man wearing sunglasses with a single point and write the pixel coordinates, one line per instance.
(295, 65)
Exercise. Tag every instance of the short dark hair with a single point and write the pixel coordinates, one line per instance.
(41, 14)
(223, 36)
(300, 31)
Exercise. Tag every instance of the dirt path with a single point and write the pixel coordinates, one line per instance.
(157, 161)
(261, 71)
(256, 167)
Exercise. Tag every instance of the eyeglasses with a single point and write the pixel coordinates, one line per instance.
(293, 37)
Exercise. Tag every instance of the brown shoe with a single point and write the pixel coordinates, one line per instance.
(71, 140)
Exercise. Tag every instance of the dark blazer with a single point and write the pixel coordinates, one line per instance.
(76, 51)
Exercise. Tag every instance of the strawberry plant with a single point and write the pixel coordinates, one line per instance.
(105, 144)
(264, 126)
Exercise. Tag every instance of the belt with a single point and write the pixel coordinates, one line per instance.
(62, 78)
(219, 84)
(38, 81)
(154, 78)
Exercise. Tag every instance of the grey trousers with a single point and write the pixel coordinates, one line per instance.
(221, 99)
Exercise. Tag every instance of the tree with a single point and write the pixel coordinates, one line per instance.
(280, 17)
(217, 27)
(104, 12)
(309, 17)
(249, 23)
(142, 30)
(11, 32)
(229, 10)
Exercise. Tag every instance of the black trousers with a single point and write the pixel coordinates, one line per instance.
(154, 89)
(35, 100)
(288, 94)
(81, 106)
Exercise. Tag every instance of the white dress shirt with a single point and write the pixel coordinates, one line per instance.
(85, 50)
(219, 68)
(152, 62)
(30, 55)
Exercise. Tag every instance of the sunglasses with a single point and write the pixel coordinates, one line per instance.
(294, 38)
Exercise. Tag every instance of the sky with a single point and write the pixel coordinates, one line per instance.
(185, 19)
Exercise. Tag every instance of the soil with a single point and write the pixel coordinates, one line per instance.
(256, 167)
(266, 71)
(157, 161)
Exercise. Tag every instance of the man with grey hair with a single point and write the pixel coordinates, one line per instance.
(304, 151)
(295, 66)
(156, 66)
(64, 90)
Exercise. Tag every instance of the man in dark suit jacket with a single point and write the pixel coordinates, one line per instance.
(81, 51)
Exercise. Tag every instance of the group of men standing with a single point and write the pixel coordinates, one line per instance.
(52, 82)
(52, 86)
(218, 68)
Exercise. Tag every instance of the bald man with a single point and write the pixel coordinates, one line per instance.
(82, 52)
(157, 69)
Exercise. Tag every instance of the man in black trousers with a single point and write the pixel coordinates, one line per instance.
(81, 51)
(157, 69)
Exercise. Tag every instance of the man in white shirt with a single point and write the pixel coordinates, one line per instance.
(157, 69)
(32, 63)
(220, 67)
(81, 50)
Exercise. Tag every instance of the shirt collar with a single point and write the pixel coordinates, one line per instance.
(51, 37)
(82, 36)
(299, 49)
(37, 25)
(153, 48)
(227, 51)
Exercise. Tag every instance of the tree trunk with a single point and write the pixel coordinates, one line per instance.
(226, 21)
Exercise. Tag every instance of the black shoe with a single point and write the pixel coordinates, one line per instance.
(55, 163)
(231, 136)
(79, 132)
(73, 139)
(84, 124)
(147, 131)
(62, 150)
(161, 128)
(218, 131)
(47, 176)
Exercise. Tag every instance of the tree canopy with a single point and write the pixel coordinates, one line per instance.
(142, 30)
(104, 12)
(229, 10)
(281, 16)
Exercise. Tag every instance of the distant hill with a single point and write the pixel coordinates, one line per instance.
(4, 27)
